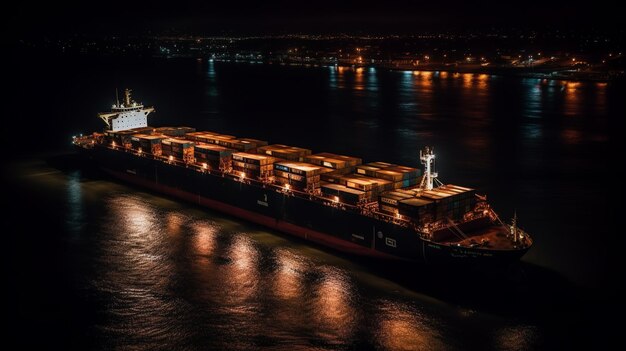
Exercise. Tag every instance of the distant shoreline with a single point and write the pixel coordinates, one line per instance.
(522, 72)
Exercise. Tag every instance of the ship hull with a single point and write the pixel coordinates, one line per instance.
(324, 224)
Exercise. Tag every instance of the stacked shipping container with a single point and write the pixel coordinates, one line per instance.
(215, 156)
(253, 165)
(122, 138)
(342, 193)
(332, 173)
(174, 131)
(228, 141)
(401, 176)
(340, 163)
(445, 202)
(302, 176)
(179, 149)
(147, 143)
(284, 152)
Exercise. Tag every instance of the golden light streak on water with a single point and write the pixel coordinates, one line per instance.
(288, 277)
(467, 80)
(241, 278)
(572, 98)
(334, 312)
(516, 338)
(204, 239)
(403, 328)
(359, 79)
(174, 223)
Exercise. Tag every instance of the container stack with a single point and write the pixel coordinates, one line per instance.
(227, 141)
(451, 201)
(237, 144)
(342, 193)
(371, 186)
(143, 130)
(147, 143)
(342, 164)
(444, 202)
(420, 210)
(412, 192)
(208, 137)
(388, 201)
(257, 142)
(121, 138)
(253, 165)
(299, 175)
(215, 156)
(284, 152)
(174, 131)
(368, 185)
(401, 176)
(179, 149)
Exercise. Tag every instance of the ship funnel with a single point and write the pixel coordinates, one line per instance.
(427, 157)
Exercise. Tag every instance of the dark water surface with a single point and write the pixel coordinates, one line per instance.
(96, 264)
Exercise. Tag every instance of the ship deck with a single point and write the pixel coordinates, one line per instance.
(496, 237)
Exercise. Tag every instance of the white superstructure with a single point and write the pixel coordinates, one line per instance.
(128, 115)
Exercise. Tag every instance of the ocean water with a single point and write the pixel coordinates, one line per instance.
(95, 264)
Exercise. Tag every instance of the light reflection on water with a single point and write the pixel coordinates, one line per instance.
(135, 275)
(75, 203)
(332, 306)
(205, 238)
(241, 280)
(237, 286)
(520, 337)
(289, 275)
(403, 328)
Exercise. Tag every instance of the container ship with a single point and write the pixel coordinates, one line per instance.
(375, 209)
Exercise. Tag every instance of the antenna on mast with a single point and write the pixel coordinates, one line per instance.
(427, 157)
(514, 227)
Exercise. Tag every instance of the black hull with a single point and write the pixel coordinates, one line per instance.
(340, 229)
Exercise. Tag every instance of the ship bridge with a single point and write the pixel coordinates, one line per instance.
(127, 115)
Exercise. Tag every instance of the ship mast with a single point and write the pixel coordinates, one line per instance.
(127, 99)
(514, 227)
(427, 157)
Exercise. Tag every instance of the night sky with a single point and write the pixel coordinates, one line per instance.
(268, 17)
